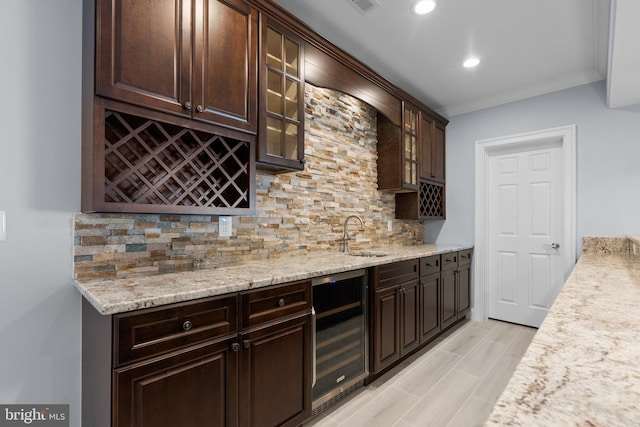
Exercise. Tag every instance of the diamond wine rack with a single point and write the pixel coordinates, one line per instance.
(431, 200)
(148, 162)
(426, 203)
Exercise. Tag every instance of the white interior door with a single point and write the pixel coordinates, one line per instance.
(525, 231)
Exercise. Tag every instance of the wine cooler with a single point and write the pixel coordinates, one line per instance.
(341, 350)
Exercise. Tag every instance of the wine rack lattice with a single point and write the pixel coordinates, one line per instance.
(150, 162)
(431, 200)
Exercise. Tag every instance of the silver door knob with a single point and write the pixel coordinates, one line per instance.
(555, 245)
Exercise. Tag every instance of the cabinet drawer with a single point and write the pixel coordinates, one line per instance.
(147, 333)
(395, 273)
(449, 260)
(429, 265)
(267, 304)
(464, 257)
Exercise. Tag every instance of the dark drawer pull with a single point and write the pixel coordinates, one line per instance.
(281, 302)
(235, 346)
(246, 343)
(187, 325)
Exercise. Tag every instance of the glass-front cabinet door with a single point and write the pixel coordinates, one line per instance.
(410, 135)
(281, 136)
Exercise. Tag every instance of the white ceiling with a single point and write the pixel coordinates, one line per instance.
(527, 48)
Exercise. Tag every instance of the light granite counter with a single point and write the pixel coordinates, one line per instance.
(634, 239)
(110, 296)
(582, 367)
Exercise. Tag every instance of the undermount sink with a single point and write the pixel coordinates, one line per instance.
(369, 254)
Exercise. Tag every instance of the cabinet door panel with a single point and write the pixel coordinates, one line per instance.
(410, 320)
(439, 154)
(225, 66)
(464, 290)
(427, 147)
(411, 138)
(276, 374)
(281, 139)
(194, 388)
(430, 297)
(143, 52)
(449, 300)
(386, 328)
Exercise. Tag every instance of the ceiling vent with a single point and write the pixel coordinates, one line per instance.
(363, 6)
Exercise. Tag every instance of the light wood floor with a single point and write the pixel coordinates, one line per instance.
(456, 381)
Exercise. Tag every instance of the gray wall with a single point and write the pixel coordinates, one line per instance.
(608, 160)
(40, 324)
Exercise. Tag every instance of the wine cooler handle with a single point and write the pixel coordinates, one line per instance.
(313, 340)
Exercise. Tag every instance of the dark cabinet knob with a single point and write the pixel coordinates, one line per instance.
(187, 325)
(246, 343)
(235, 346)
(200, 108)
(281, 302)
(187, 105)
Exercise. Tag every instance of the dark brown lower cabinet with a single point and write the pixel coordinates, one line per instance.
(197, 387)
(195, 364)
(275, 374)
(395, 318)
(396, 323)
(449, 300)
(456, 287)
(409, 316)
(386, 328)
(413, 301)
(464, 285)
(430, 291)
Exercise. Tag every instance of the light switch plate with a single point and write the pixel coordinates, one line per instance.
(3, 226)
(390, 225)
(225, 226)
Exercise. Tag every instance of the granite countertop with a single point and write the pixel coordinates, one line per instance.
(110, 296)
(582, 367)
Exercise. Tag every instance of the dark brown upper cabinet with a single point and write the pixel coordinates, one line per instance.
(432, 148)
(398, 151)
(281, 98)
(196, 59)
(428, 202)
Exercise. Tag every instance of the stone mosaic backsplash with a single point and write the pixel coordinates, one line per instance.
(296, 213)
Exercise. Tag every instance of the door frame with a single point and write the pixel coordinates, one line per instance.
(566, 135)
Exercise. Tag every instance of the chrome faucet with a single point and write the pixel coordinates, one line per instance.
(346, 236)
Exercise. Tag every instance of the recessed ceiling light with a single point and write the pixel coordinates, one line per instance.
(471, 62)
(423, 7)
